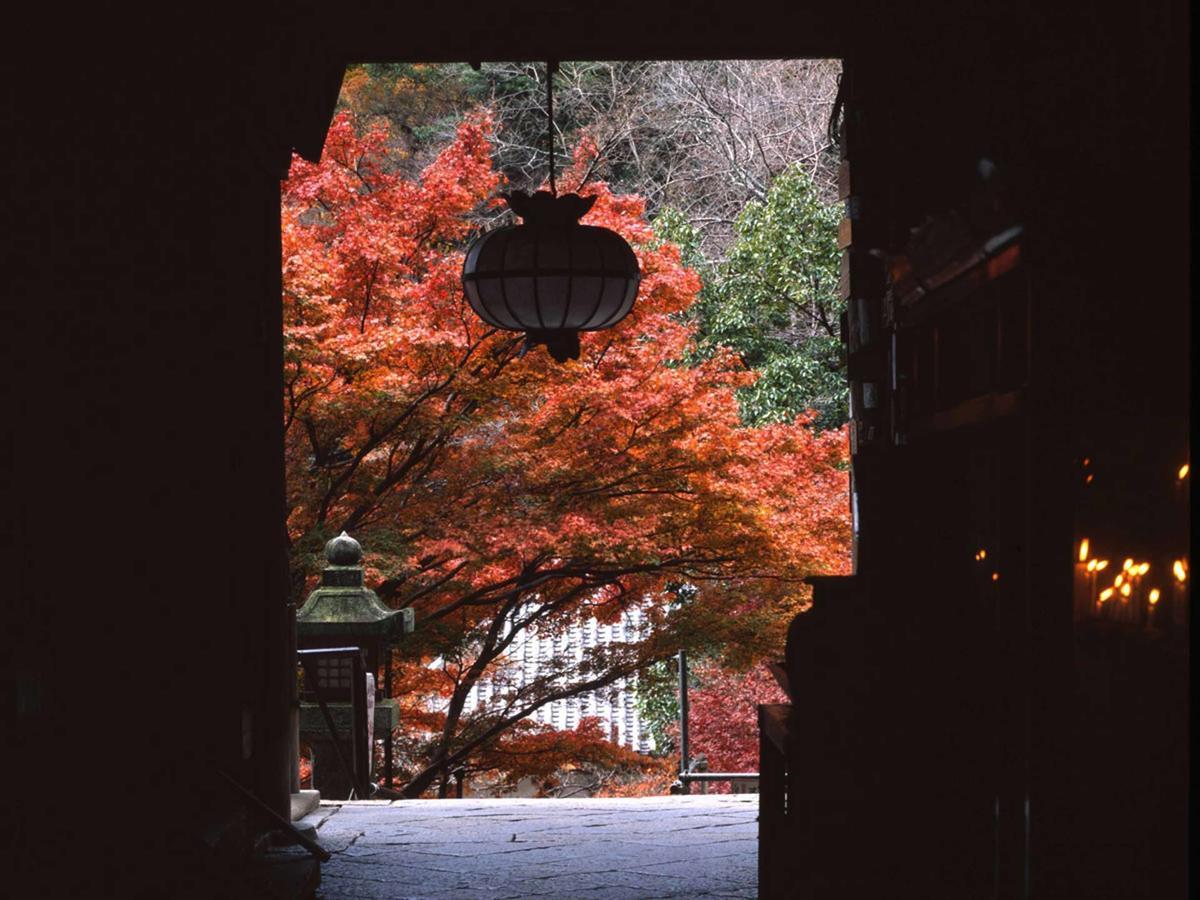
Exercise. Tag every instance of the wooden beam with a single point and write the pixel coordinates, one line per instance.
(571, 30)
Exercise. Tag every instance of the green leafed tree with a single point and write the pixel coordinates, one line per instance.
(658, 704)
(774, 301)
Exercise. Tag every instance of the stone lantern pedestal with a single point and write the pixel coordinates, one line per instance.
(329, 776)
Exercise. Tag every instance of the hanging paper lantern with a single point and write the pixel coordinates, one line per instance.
(551, 277)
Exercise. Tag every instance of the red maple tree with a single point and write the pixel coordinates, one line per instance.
(497, 493)
(723, 717)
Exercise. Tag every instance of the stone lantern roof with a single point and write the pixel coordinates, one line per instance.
(342, 605)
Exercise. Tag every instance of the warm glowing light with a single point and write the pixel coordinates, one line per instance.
(1091, 567)
(1083, 550)
(1105, 594)
(1183, 471)
(1088, 480)
(995, 576)
(1127, 565)
(1143, 568)
(1102, 565)
(1118, 581)
(1180, 570)
(1125, 590)
(982, 553)
(1155, 593)
(1087, 461)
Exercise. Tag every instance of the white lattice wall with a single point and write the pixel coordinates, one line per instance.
(615, 706)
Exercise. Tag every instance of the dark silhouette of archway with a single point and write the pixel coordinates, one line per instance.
(144, 557)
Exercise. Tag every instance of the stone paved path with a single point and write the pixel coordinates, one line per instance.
(618, 849)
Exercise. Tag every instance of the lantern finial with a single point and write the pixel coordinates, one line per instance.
(562, 345)
(343, 550)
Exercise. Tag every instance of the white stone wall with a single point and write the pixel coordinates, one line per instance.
(615, 706)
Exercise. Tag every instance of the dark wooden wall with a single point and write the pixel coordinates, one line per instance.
(144, 556)
(1007, 767)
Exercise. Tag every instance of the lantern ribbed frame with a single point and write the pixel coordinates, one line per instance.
(551, 277)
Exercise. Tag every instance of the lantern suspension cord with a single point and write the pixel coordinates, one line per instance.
(551, 68)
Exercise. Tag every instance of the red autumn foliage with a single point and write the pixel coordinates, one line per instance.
(723, 719)
(530, 750)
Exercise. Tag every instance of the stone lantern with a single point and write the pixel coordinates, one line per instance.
(341, 612)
